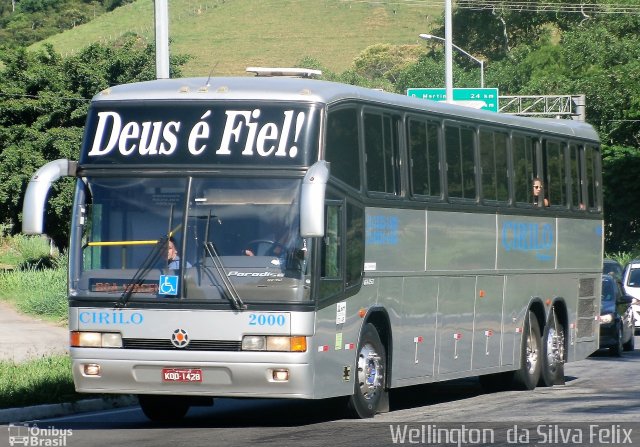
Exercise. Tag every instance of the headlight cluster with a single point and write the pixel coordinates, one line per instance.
(95, 339)
(274, 343)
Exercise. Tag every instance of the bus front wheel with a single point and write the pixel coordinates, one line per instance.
(371, 371)
(163, 408)
(528, 375)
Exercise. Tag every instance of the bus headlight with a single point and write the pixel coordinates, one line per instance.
(275, 343)
(254, 343)
(79, 339)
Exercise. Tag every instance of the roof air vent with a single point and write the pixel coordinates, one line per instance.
(288, 72)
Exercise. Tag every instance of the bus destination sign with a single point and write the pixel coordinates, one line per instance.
(197, 134)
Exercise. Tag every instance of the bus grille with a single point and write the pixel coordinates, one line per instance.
(194, 345)
(587, 287)
(587, 308)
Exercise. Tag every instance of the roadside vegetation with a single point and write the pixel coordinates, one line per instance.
(623, 257)
(45, 380)
(33, 278)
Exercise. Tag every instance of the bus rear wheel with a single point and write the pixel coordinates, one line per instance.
(163, 408)
(553, 355)
(527, 377)
(371, 372)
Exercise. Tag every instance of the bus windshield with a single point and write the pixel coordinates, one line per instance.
(229, 237)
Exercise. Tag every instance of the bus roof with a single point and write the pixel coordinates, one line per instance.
(324, 92)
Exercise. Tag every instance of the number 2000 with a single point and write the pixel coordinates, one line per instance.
(266, 320)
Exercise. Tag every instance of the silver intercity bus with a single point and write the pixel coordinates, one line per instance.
(326, 240)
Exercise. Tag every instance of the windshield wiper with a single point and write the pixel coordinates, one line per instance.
(145, 267)
(231, 292)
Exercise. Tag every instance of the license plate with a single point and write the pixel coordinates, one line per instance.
(181, 375)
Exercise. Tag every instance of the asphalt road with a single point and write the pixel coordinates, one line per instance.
(598, 405)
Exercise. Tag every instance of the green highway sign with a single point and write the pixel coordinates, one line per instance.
(478, 98)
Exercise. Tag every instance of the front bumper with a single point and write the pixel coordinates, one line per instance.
(608, 335)
(224, 374)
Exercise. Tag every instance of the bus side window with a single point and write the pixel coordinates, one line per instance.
(494, 167)
(342, 146)
(524, 163)
(354, 246)
(591, 157)
(331, 252)
(576, 177)
(342, 249)
(554, 169)
(381, 142)
(424, 164)
(460, 149)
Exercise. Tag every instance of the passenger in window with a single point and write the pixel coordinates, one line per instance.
(538, 194)
(173, 259)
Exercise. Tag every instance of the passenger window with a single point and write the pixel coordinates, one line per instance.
(592, 186)
(382, 153)
(425, 158)
(493, 159)
(524, 163)
(459, 146)
(556, 191)
(575, 158)
(342, 147)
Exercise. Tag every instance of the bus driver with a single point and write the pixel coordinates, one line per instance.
(173, 258)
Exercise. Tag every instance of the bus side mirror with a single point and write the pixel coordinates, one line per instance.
(314, 186)
(37, 190)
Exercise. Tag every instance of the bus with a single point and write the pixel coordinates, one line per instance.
(332, 241)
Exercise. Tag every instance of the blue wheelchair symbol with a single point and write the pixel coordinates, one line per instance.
(168, 285)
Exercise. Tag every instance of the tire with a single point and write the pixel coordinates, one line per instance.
(528, 376)
(553, 353)
(617, 348)
(631, 344)
(163, 408)
(369, 396)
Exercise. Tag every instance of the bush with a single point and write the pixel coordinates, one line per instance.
(38, 291)
(20, 250)
(44, 380)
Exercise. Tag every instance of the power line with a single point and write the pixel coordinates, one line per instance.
(521, 6)
(532, 6)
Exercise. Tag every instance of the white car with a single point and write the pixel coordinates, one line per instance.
(631, 284)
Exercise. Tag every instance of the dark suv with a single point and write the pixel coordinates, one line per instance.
(616, 318)
(612, 267)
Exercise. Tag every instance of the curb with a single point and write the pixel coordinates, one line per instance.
(12, 415)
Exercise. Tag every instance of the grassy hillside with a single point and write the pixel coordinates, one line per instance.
(226, 36)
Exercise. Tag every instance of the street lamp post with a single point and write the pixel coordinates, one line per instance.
(162, 38)
(480, 61)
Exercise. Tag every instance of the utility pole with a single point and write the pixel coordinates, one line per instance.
(162, 38)
(448, 51)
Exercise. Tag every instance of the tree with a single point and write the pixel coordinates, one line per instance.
(622, 191)
(43, 106)
(27, 21)
(385, 61)
(559, 53)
